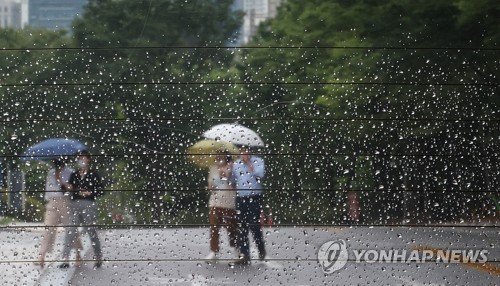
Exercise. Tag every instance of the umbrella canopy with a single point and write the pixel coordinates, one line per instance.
(52, 149)
(203, 153)
(234, 133)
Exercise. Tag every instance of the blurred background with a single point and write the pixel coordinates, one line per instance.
(372, 113)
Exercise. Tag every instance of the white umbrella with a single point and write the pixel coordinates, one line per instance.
(234, 133)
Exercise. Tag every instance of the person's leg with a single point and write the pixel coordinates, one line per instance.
(71, 231)
(213, 218)
(242, 221)
(255, 206)
(50, 221)
(230, 220)
(66, 209)
(78, 246)
(90, 220)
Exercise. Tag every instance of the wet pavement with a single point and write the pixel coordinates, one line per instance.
(175, 256)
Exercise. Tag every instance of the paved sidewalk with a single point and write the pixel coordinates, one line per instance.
(166, 256)
(19, 250)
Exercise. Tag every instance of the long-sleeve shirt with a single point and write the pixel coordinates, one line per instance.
(52, 186)
(221, 193)
(248, 182)
(90, 182)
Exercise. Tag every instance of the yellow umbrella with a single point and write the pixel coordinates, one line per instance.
(203, 153)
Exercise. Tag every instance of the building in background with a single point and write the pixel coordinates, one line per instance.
(13, 13)
(55, 14)
(256, 11)
(59, 14)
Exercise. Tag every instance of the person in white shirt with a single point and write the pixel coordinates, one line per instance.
(221, 203)
(57, 209)
(248, 174)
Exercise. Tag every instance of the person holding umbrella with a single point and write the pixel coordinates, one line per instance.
(86, 186)
(221, 203)
(57, 209)
(57, 203)
(247, 177)
(218, 157)
(248, 173)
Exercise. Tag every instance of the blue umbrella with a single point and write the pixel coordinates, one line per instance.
(52, 149)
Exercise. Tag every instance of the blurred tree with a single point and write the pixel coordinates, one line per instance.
(393, 77)
(152, 59)
(354, 93)
(28, 67)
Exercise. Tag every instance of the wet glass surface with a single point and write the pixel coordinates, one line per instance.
(371, 135)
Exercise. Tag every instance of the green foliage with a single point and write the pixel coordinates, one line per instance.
(342, 89)
(168, 43)
(34, 210)
(389, 78)
(22, 64)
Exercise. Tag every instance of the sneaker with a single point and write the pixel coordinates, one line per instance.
(262, 256)
(243, 261)
(98, 264)
(211, 257)
(235, 252)
(63, 265)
